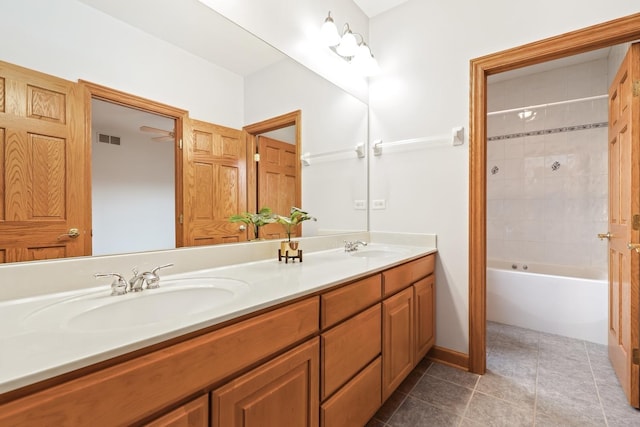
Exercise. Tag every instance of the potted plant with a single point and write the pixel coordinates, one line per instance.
(296, 216)
(255, 220)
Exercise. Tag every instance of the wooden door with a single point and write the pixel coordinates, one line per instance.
(624, 203)
(42, 167)
(397, 340)
(215, 183)
(424, 294)
(282, 392)
(276, 181)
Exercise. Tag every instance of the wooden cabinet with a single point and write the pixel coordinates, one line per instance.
(408, 331)
(282, 392)
(397, 340)
(424, 296)
(192, 414)
(356, 402)
(328, 359)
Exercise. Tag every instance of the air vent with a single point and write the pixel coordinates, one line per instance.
(108, 139)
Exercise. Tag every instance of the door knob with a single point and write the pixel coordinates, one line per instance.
(72, 234)
(635, 246)
(243, 227)
(606, 235)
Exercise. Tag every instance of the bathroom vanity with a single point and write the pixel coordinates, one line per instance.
(329, 354)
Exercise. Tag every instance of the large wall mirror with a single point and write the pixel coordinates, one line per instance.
(132, 165)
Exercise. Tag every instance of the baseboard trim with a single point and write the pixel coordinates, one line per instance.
(449, 357)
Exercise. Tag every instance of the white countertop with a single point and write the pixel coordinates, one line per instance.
(34, 349)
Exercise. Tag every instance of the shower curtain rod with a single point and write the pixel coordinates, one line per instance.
(550, 104)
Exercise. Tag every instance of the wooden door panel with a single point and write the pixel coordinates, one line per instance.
(397, 340)
(215, 183)
(277, 180)
(624, 202)
(42, 166)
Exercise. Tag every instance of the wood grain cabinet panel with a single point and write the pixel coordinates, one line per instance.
(192, 414)
(348, 300)
(398, 278)
(424, 293)
(397, 340)
(282, 392)
(138, 388)
(356, 402)
(348, 347)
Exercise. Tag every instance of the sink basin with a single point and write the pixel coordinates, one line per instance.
(377, 252)
(178, 298)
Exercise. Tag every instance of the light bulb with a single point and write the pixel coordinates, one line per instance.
(329, 32)
(348, 45)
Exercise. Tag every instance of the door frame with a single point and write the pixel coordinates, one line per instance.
(96, 91)
(293, 118)
(621, 30)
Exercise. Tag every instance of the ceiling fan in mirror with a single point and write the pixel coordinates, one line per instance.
(163, 135)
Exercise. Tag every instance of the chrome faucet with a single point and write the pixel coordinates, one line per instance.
(119, 284)
(150, 278)
(353, 246)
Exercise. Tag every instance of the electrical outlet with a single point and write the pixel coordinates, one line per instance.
(379, 204)
(360, 205)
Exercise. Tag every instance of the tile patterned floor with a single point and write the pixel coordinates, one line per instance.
(532, 379)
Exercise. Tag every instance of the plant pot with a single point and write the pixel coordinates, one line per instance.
(290, 248)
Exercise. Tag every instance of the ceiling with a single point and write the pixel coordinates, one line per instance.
(372, 8)
(117, 120)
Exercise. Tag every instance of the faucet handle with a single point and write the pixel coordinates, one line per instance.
(153, 278)
(119, 284)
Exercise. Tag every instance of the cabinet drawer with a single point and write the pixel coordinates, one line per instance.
(342, 303)
(192, 414)
(156, 380)
(400, 277)
(356, 402)
(348, 347)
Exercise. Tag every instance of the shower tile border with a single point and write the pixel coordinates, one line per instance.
(549, 131)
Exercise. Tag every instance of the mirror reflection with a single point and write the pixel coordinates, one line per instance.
(133, 172)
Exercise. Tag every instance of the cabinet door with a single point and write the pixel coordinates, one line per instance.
(424, 293)
(192, 414)
(397, 340)
(282, 392)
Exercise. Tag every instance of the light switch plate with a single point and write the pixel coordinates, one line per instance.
(379, 204)
(360, 205)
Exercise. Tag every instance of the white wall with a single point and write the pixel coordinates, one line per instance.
(133, 199)
(68, 39)
(332, 120)
(293, 27)
(535, 213)
(424, 49)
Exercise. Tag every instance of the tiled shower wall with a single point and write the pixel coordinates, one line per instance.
(547, 175)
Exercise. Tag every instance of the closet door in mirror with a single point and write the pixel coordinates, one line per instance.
(42, 167)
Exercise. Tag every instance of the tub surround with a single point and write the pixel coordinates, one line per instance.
(543, 298)
(41, 351)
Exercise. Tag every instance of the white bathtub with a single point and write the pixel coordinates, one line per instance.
(554, 299)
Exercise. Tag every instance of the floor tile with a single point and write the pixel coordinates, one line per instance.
(453, 375)
(413, 413)
(443, 394)
(390, 406)
(490, 411)
(512, 389)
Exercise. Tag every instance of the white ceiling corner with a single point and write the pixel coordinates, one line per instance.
(372, 8)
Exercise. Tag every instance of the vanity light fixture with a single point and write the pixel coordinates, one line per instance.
(348, 47)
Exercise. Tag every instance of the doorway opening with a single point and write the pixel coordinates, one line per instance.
(276, 176)
(135, 174)
(599, 36)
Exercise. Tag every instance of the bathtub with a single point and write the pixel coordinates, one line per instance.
(555, 299)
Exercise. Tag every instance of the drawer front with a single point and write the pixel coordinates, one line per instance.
(342, 303)
(168, 375)
(192, 414)
(347, 348)
(356, 402)
(398, 278)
